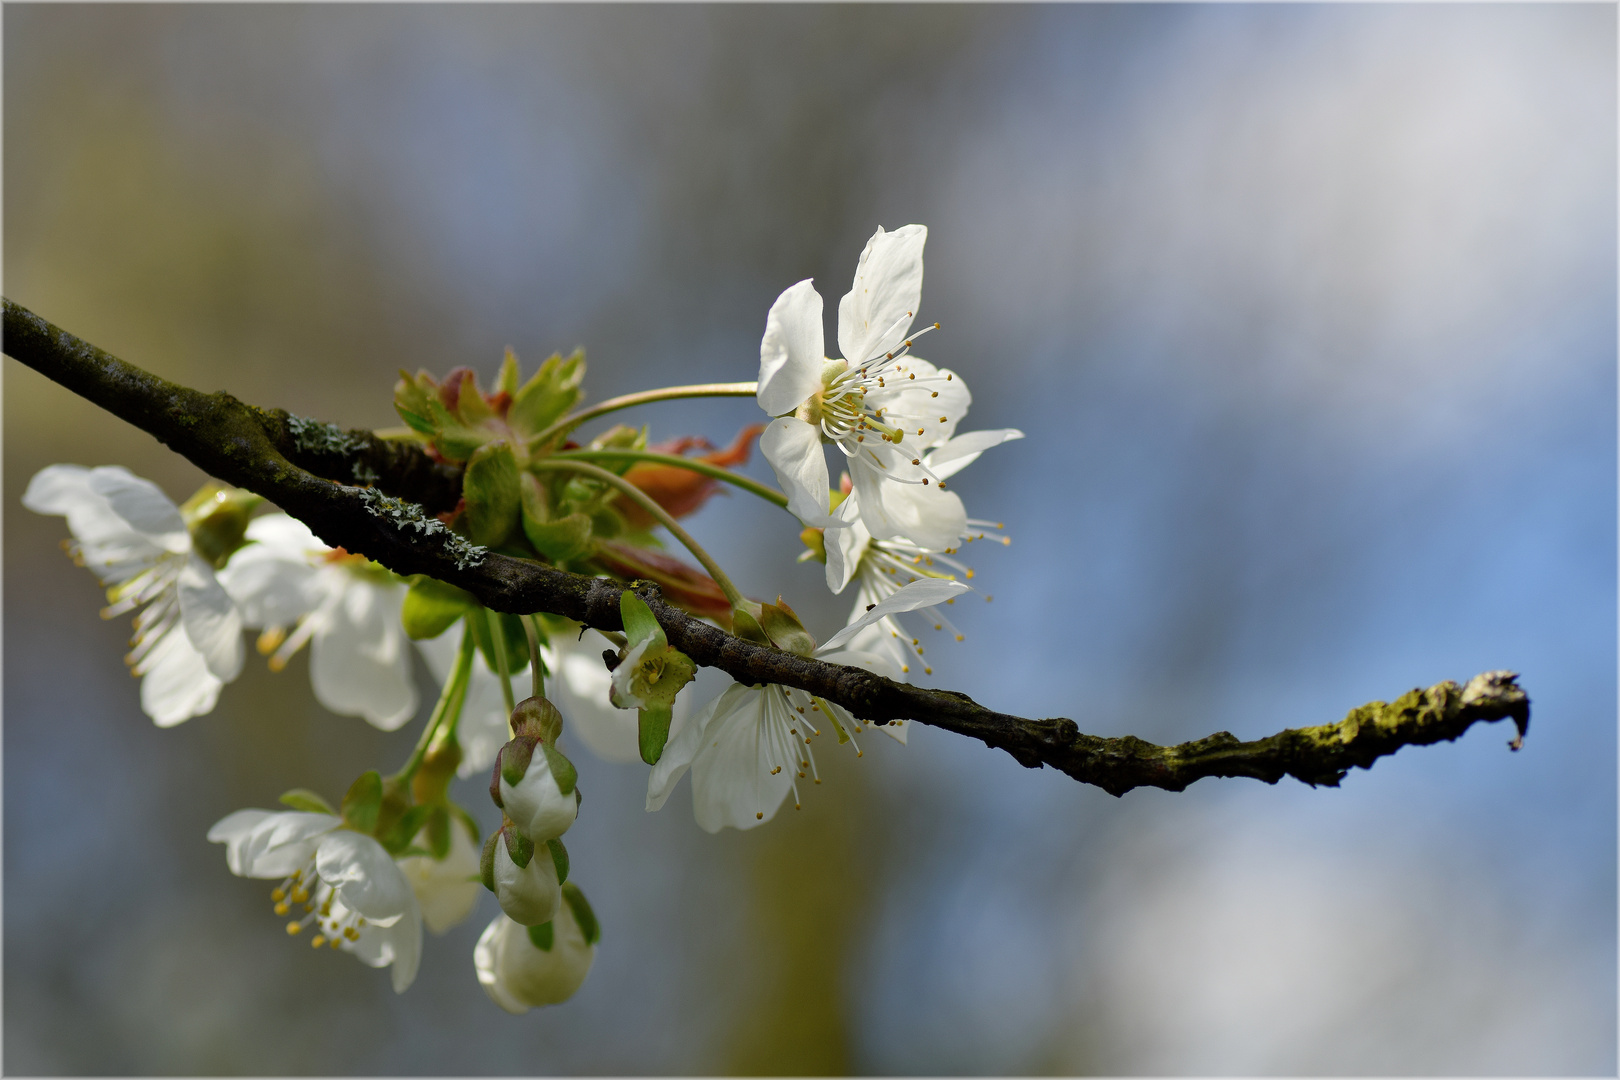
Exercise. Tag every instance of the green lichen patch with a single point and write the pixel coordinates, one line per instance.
(408, 515)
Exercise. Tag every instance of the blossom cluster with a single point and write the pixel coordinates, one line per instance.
(397, 852)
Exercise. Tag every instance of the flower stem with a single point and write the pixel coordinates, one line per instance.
(675, 460)
(644, 397)
(646, 502)
(531, 631)
(451, 698)
(497, 638)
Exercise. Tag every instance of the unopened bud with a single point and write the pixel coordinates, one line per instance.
(537, 718)
(217, 517)
(525, 879)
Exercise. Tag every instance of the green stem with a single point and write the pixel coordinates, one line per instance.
(645, 397)
(451, 698)
(659, 514)
(497, 638)
(531, 631)
(747, 484)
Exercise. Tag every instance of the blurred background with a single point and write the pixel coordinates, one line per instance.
(1309, 314)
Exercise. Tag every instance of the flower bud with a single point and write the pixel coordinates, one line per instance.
(540, 797)
(217, 518)
(438, 768)
(521, 967)
(529, 892)
(537, 718)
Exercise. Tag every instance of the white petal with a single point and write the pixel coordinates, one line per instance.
(528, 894)
(284, 842)
(791, 353)
(177, 684)
(963, 450)
(793, 448)
(686, 741)
(579, 688)
(731, 775)
(57, 489)
(925, 592)
(211, 620)
(446, 889)
(142, 504)
(487, 957)
(399, 944)
(365, 876)
(928, 517)
(845, 546)
(875, 314)
(876, 660)
(536, 803)
(285, 535)
(233, 831)
(915, 399)
(359, 662)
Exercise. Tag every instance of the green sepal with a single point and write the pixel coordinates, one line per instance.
(304, 799)
(432, 607)
(520, 847)
(781, 624)
(559, 858)
(652, 731)
(558, 539)
(542, 936)
(515, 757)
(548, 395)
(815, 544)
(583, 915)
(562, 770)
(538, 718)
(471, 407)
(517, 643)
(745, 622)
(438, 832)
(454, 439)
(404, 830)
(639, 623)
(363, 801)
(507, 381)
(486, 861)
(411, 401)
(490, 486)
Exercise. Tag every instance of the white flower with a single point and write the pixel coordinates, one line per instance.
(528, 894)
(518, 974)
(537, 804)
(880, 406)
(446, 889)
(881, 567)
(751, 745)
(352, 894)
(344, 607)
(188, 635)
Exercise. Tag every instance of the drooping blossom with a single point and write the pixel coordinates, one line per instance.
(348, 893)
(188, 633)
(345, 607)
(521, 967)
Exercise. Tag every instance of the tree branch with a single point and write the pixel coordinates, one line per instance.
(311, 470)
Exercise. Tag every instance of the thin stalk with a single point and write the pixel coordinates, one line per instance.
(497, 637)
(659, 514)
(749, 485)
(532, 633)
(451, 698)
(644, 397)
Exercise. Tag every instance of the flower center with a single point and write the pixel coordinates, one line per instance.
(334, 923)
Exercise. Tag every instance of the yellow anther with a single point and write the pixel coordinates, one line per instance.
(934, 394)
(913, 375)
(297, 875)
(970, 574)
(760, 816)
(278, 895)
(281, 908)
(318, 940)
(942, 419)
(860, 753)
(351, 933)
(928, 671)
(776, 770)
(294, 928)
(959, 637)
(796, 806)
(336, 942)
(300, 894)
